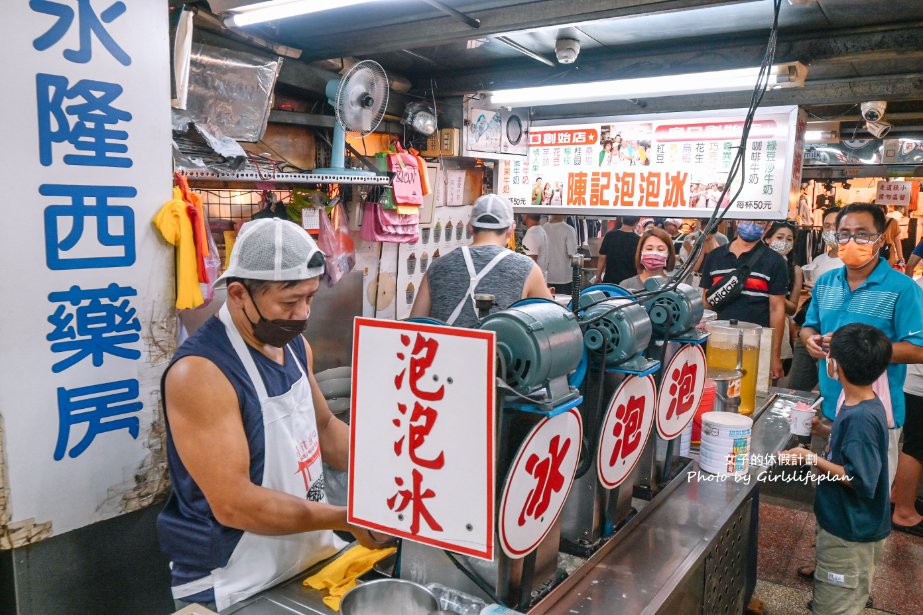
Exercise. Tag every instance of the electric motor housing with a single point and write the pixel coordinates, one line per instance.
(619, 334)
(539, 343)
(676, 311)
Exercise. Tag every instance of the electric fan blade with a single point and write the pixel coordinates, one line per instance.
(362, 97)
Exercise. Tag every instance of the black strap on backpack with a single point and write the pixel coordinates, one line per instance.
(733, 284)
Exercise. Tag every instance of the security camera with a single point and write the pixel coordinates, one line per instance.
(878, 129)
(567, 50)
(873, 110)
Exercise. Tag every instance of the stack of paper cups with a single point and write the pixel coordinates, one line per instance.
(725, 445)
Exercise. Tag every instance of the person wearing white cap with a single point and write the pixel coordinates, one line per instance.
(248, 430)
(487, 266)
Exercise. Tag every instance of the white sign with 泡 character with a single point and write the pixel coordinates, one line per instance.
(625, 430)
(421, 459)
(681, 390)
(89, 326)
(659, 165)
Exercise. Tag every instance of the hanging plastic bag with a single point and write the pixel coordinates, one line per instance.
(337, 245)
(407, 186)
(424, 178)
(212, 263)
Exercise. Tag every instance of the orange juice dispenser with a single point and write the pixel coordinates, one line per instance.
(734, 345)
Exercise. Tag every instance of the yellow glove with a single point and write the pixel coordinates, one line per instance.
(339, 576)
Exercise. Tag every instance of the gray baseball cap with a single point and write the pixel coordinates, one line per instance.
(492, 211)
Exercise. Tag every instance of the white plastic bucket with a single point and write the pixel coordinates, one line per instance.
(725, 444)
(724, 447)
(725, 425)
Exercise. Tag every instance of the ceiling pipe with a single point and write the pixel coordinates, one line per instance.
(525, 51)
(448, 10)
(398, 83)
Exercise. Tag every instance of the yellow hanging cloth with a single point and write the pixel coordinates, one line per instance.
(173, 223)
(339, 576)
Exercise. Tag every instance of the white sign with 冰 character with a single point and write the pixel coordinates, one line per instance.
(422, 436)
(538, 482)
(658, 165)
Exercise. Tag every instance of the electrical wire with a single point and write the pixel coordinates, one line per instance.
(734, 174)
(481, 583)
(833, 117)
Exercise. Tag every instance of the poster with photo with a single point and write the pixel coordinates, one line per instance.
(671, 164)
(484, 130)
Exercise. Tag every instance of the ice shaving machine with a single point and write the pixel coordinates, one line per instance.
(540, 350)
(675, 312)
(616, 332)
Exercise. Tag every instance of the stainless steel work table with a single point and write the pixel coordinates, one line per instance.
(690, 551)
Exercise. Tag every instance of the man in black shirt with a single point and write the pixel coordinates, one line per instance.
(617, 253)
(762, 301)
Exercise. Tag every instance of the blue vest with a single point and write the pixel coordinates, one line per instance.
(190, 536)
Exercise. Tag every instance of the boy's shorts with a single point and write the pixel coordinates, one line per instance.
(843, 575)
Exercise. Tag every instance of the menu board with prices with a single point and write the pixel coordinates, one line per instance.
(664, 165)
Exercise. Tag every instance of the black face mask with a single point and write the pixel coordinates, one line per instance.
(278, 332)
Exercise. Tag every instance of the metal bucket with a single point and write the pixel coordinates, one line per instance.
(387, 597)
(727, 389)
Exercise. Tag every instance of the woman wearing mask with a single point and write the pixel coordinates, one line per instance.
(780, 237)
(654, 257)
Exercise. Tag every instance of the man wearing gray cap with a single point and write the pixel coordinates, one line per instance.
(248, 430)
(487, 266)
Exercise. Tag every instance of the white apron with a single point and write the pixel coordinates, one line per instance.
(292, 463)
(474, 278)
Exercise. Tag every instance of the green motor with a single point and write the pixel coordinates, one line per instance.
(540, 344)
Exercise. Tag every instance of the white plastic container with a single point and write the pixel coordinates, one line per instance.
(725, 425)
(723, 448)
(725, 445)
(729, 464)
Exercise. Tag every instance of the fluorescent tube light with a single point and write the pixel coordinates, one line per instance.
(822, 132)
(280, 9)
(783, 75)
(821, 136)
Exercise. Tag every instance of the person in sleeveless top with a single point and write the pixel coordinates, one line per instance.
(248, 430)
(487, 266)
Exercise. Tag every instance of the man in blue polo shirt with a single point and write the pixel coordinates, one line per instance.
(869, 291)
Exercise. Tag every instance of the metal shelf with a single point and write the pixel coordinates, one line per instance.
(251, 175)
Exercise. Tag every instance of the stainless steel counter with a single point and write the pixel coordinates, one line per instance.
(641, 570)
(682, 551)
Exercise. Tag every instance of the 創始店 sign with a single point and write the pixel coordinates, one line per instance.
(660, 165)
